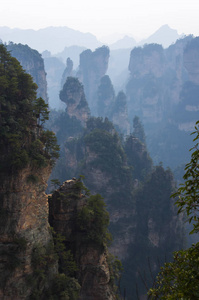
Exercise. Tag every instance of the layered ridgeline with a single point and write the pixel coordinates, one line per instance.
(37, 262)
(159, 85)
(143, 220)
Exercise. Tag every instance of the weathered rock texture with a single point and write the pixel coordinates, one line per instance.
(23, 226)
(163, 90)
(93, 271)
(68, 72)
(119, 115)
(54, 69)
(143, 221)
(73, 95)
(92, 67)
(32, 62)
(111, 106)
(158, 78)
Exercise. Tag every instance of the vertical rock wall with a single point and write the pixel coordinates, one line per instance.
(23, 226)
(93, 271)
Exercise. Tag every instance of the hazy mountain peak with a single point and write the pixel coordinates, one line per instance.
(125, 42)
(164, 36)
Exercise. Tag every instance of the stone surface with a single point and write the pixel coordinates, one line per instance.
(24, 219)
(32, 61)
(93, 270)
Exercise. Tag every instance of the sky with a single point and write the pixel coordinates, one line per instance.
(137, 18)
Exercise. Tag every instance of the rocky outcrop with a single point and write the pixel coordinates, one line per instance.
(54, 69)
(163, 91)
(27, 260)
(66, 205)
(119, 115)
(142, 218)
(33, 63)
(24, 226)
(105, 97)
(73, 95)
(149, 59)
(111, 106)
(156, 80)
(191, 60)
(68, 72)
(93, 65)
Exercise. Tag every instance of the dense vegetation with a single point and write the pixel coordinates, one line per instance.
(22, 115)
(25, 143)
(179, 279)
(87, 230)
(129, 183)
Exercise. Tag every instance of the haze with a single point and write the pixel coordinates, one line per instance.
(138, 18)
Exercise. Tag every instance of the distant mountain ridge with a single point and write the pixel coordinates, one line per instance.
(54, 39)
(164, 36)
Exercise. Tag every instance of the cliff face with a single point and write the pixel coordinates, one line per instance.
(93, 65)
(68, 72)
(111, 106)
(29, 251)
(191, 58)
(163, 91)
(143, 221)
(33, 63)
(67, 206)
(73, 95)
(54, 69)
(27, 262)
(24, 226)
(119, 115)
(157, 75)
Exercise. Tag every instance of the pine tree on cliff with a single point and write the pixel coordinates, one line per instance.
(22, 115)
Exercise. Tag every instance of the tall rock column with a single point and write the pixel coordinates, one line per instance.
(77, 217)
(23, 228)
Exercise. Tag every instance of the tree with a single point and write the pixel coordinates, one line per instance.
(179, 279)
(22, 115)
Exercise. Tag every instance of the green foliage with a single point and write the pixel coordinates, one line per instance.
(110, 155)
(188, 192)
(64, 288)
(22, 115)
(137, 157)
(99, 123)
(63, 285)
(67, 263)
(43, 257)
(41, 111)
(50, 147)
(62, 121)
(179, 279)
(82, 189)
(56, 183)
(93, 220)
